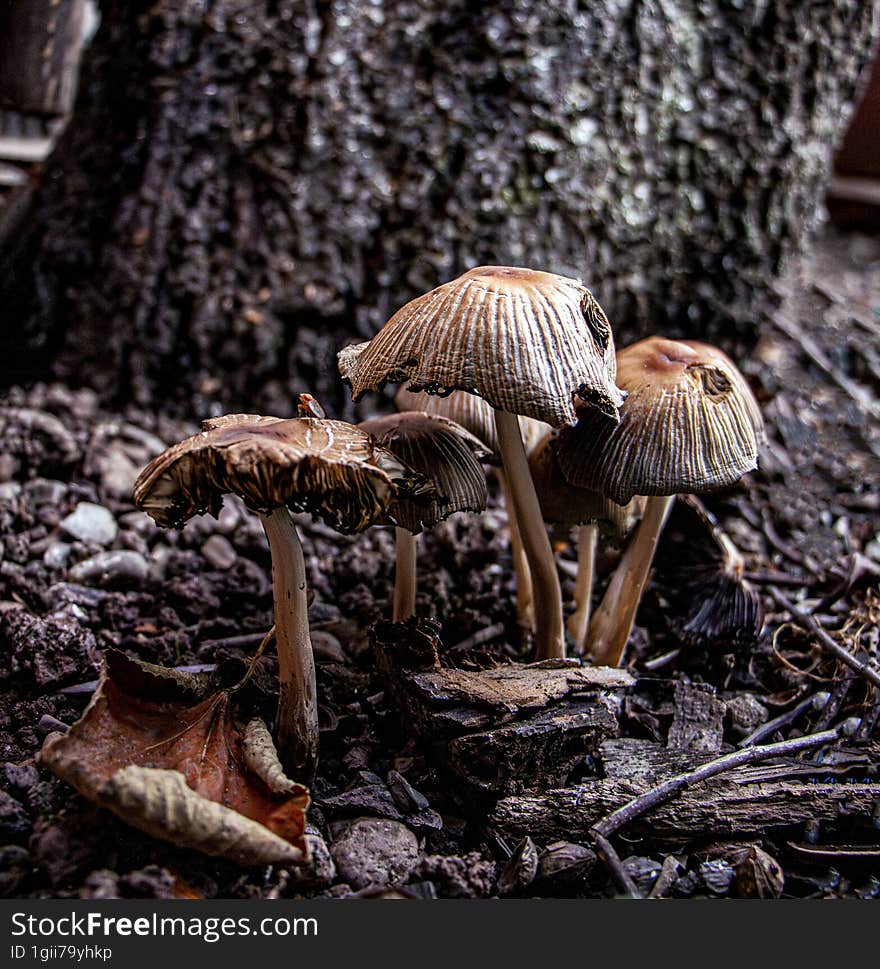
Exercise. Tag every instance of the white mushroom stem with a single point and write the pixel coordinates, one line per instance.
(549, 635)
(525, 609)
(579, 621)
(613, 620)
(296, 724)
(404, 575)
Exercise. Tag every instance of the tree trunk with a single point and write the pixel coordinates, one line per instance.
(247, 185)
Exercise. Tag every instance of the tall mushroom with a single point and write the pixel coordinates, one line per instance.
(448, 456)
(325, 467)
(565, 504)
(689, 424)
(476, 416)
(528, 342)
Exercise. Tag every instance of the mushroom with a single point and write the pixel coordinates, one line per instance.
(325, 467)
(719, 603)
(689, 424)
(448, 456)
(565, 504)
(476, 416)
(527, 342)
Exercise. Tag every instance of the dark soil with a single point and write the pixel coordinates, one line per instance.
(807, 522)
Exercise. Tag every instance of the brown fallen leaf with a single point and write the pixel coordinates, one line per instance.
(152, 748)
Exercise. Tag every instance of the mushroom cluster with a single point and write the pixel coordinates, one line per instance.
(507, 365)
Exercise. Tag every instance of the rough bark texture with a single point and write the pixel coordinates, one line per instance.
(246, 185)
(743, 801)
(503, 729)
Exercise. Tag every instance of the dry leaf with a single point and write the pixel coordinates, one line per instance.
(152, 749)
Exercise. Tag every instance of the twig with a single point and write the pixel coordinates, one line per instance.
(478, 638)
(861, 395)
(809, 624)
(612, 861)
(663, 792)
(815, 702)
(848, 851)
(778, 578)
(664, 659)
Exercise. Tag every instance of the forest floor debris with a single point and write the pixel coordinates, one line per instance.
(82, 572)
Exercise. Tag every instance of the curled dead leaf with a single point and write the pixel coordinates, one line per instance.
(160, 803)
(166, 758)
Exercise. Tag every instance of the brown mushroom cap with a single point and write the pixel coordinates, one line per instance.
(690, 423)
(526, 341)
(472, 413)
(565, 504)
(328, 468)
(445, 453)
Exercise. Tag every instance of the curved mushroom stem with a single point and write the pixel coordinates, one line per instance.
(613, 621)
(296, 724)
(404, 575)
(579, 621)
(549, 636)
(525, 609)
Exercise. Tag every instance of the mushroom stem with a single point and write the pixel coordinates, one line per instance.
(525, 609)
(579, 621)
(613, 620)
(404, 575)
(549, 636)
(296, 723)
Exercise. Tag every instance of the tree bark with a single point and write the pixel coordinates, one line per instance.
(247, 185)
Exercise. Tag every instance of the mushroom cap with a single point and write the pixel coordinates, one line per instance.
(325, 467)
(524, 340)
(566, 504)
(690, 423)
(473, 414)
(445, 453)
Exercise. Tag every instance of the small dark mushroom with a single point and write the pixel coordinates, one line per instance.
(448, 456)
(324, 467)
(527, 342)
(719, 603)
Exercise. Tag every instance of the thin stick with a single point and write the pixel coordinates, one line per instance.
(809, 624)
(579, 620)
(861, 395)
(525, 607)
(404, 575)
(815, 702)
(549, 637)
(613, 621)
(296, 723)
(663, 792)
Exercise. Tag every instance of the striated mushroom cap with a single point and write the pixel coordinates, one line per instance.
(528, 342)
(473, 414)
(690, 423)
(445, 453)
(566, 504)
(328, 468)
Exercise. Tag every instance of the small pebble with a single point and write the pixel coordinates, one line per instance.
(10, 492)
(44, 491)
(327, 648)
(219, 552)
(111, 569)
(90, 523)
(373, 851)
(56, 555)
